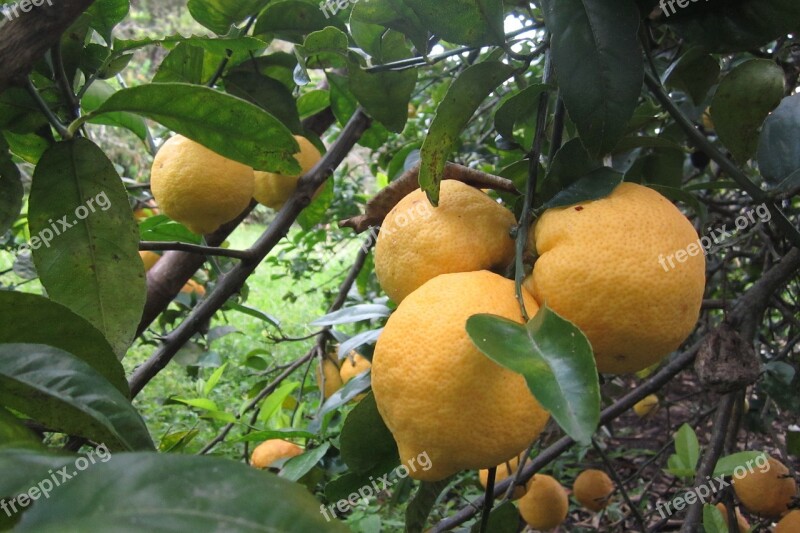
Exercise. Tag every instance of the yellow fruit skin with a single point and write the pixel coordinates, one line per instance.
(193, 287)
(766, 493)
(467, 232)
(149, 259)
(646, 405)
(437, 393)
(789, 523)
(592, 489)
(741, 523)
(504, 470)
(273, 450)
(599, 267)
(545, 505)
(272, 190)
(197, 187)
(353, 365)
(333, 381)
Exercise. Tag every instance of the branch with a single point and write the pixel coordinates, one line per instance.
(232, 282)
(26, 39)
(162, 246)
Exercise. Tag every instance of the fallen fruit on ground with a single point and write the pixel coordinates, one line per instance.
(592, 489)
(198, 187)
(611, 267)
(765, 491)
(545, 504)
(437, 393)
(352, 365)
(333, 380)
(646, 405)
(742, 524)
(271, 451)
(272, 190)
(504, 470)
(467, 232)
(789, 523)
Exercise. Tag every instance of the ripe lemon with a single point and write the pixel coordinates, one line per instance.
(467, 232)
(197, 187)
(646, 405)
(149, 259)
(600, 266)
(789, 523)
(767, 493)
(353, 365)
(504, 470)
(192, 287)
(333, 381)
(545, 504)
(272, 190)
(592, 489)
(742, 525)
(437, 393)
(271, 451)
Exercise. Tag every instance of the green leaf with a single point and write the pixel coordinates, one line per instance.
(743, 100)
(343, 103)
(469, 22)
(274, 401)
(219, 46)
(519, 111)
(350, 390)
(694, 73)
(177, 441)
(555, 359)
(392, 14)
(178, 492)
(293, 19)
(726, 465)
(599, 65)
(384, 95)
(571, 163)
(163, 228)
(230, 126)
(214, 379)
(100, 91)
(325, 48)
(267, 93)
(219, 15)
(92, 264)
(503, 519)
(735, 26)
(356, 313)
(597, 184)
(463, 97)
(260, 436)
(105, 14)
(778, 151)
(713, 522)
(184, 64)
(66, 394)
(27, 147)
(793, 441)
(687, 447)
(313, 102)
(38, 320)
(298, 466)
(11, 189)
(14, 434)
(365, 441)
(422, 504)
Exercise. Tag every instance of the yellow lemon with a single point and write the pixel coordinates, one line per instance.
(742, 525)
(333, 381)
(149, 259)
(646, 405)
(353, 365)
(766, 491)
(545, 504)
(789, 523)
(272, 190)
(592, 489)
(504, 470)
(270, 451)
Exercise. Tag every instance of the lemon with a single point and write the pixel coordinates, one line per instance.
(742, 525)
(646, 405)
(789, 523)
(467, 232)
(504, 470)
(592, 489)
(545, 504)
(197, 187)
(353, 365)
(272, 190)
(437, 393)
(192, 287)
(269, 452)
(626, 269)
(768, 492)
(149, 259)
(333, 381)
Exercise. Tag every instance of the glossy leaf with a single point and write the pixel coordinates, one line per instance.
(14, 434)
(66, 394)
(597, 184)
(100, 91)
(11, 189)
(365, 441)
(356, 341)
(356, 313)
(555, 359)
(228, 125)
(268, 94)
(687, 447)
(463, 97)
(105, 14)
(184, 64)
(748, 460)
(297, 467)
(599, 65)
(179, 493)
(219, 15)
(694, 73)
(743, 100)
(469, 22)
(90, 261)
(778, 150)
(422, 504)
(350, 390)
(38, 320)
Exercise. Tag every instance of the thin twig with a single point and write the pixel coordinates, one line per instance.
(621, 486)
(162, 246)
